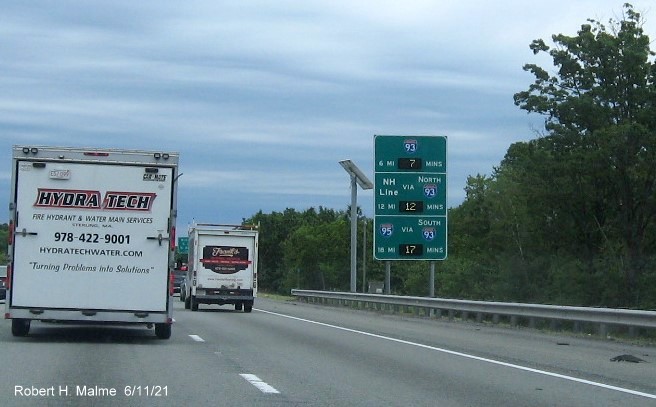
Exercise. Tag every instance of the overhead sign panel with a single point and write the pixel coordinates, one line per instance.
(410, 198)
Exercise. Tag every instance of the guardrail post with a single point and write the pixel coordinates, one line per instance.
(479, 317)
(513, 320)
(451, 314)
(495, 318)
(464, 315)
(633, 332)
(603, 330)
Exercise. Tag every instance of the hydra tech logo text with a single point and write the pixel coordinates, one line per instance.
(86, 199)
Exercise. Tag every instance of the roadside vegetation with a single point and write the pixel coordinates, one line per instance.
(567, 217)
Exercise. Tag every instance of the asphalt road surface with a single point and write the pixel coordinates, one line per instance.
(295, 354)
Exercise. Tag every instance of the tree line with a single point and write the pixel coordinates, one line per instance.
(566, 218)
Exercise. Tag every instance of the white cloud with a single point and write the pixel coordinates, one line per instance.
(267, 96)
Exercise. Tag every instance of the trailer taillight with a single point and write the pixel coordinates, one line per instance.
(96, 154)
(172, 238)
(171, 278)
(10, 269)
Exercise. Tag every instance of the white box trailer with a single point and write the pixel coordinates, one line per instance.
(92, 237)
(221, 266)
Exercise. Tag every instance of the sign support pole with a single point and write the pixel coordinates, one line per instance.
(357, 178)
(431, 287)
(354, 231)
(388, 268)
(364, 257)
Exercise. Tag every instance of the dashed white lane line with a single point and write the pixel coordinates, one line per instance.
(473, 357)
(259, 384)
(197, 338)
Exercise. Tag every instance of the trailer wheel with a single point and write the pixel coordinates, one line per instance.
(20, 327)
(182, 295)
(238, 306)
(248, 307)
(163, 331)
(187, 302)
(194, 304)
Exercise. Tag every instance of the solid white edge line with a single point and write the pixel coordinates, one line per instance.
(259, 384)
(465, 355)
(197, 338)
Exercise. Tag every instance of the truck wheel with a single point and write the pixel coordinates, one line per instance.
(182, 295)
(187, 302)
(248, 307)
(163, 331)
(20, 327)
(194, 304)
(238, 306)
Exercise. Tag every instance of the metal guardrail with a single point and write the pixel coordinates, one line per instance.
(605, 317)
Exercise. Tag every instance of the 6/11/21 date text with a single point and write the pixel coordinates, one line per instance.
(108, 238)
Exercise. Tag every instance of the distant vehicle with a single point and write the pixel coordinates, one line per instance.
(94, 239)
(183, 285)
(3, 282)
(222, 266)
(178, 276)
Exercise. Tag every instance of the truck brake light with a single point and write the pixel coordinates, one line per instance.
(172, 238)
(170, 284)
(9, 273)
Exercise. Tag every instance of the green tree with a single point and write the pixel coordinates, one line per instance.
(275, 229)
(600, 110)
(317, 256)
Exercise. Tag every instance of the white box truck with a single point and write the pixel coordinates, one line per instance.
(221, 266)
(92, 237)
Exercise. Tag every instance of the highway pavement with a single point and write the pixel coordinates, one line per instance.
(286, 353)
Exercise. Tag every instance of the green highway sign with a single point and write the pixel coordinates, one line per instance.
(410, 238)
(183, 245)
(410, 154)
(410, 197)
(410, 194)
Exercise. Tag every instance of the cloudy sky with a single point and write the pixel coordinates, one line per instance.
(263, 98)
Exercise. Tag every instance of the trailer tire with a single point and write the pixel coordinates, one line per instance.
(248, 307)
(238, 306)
(187, 302)
(163, 331)
(194, 304)
(182, 295)
(20, 327)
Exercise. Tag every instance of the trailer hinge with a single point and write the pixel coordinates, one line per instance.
(141, 314)
(159, 238)
(24, 233)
